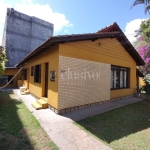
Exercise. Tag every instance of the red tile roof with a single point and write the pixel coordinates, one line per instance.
(107, 32)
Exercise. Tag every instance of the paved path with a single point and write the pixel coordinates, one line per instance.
(61, 129)
(94, 110)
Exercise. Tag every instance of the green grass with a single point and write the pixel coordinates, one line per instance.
(19, 130)
(125, 128)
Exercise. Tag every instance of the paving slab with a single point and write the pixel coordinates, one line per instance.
(63, 132)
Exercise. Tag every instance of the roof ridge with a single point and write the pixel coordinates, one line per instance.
(68, 35)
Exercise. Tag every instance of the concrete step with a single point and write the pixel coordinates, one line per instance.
(45, 99)
(22, 93)
(42, 103)
(36, 105)
(22, 89)
(25, 92)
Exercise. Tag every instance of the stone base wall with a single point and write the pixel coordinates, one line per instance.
(86, 105)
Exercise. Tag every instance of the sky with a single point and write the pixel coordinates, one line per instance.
(79, 16)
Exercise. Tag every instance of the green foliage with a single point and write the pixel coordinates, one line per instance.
(3, 59)
(1, 69)
(147, 80)
(147, 83)
(142, 45)
(145, 30)
(145, 2)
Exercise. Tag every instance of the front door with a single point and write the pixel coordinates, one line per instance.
(46, 80)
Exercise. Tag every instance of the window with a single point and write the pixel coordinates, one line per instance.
(119, 77)
(32, 70)
(5, 79)
(24, 74)
(37, 73)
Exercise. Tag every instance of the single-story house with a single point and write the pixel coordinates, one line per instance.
(81, 70)
(9, 73)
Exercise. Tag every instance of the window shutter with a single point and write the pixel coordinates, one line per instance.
(23, 74)
(33, 70)
(35, 75)
(40, 66)
(26, 74)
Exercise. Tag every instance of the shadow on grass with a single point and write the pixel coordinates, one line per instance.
(118, 123)
(12, 133)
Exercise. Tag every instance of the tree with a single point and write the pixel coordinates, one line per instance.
(2, 60)
(142, 45)
(145, 2)
(145, 30)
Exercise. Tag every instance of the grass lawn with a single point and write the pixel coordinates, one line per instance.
(125, 128)
(19, 130)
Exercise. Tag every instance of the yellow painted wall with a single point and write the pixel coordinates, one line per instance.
(141, 81)
(110, 51)
(13, 72)
(51, 57)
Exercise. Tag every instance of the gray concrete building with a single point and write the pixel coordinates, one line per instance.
(22, 34)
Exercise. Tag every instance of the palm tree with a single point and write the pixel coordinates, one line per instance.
(145, 2)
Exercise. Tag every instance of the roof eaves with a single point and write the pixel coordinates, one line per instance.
(32, 52)
(114, 27)
(141, 60)
(139, 73)
(66, 38)
(11, 68)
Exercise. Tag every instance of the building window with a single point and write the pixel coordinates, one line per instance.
(5, 79)
(37, 73)
(32, 70)
(119, 77)
(24, 74)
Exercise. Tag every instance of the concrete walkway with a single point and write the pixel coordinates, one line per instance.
(61, 129)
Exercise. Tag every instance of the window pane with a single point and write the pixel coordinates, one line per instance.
(121, 79)
(3, 80)
(112, 78)
(116, 79)
(37, 74)
(9, 78)
(125, 79)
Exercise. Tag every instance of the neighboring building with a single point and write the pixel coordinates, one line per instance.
(76, 71)
(8, 75)
(22, 34)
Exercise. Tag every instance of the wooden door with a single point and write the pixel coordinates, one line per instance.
(46, 80)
